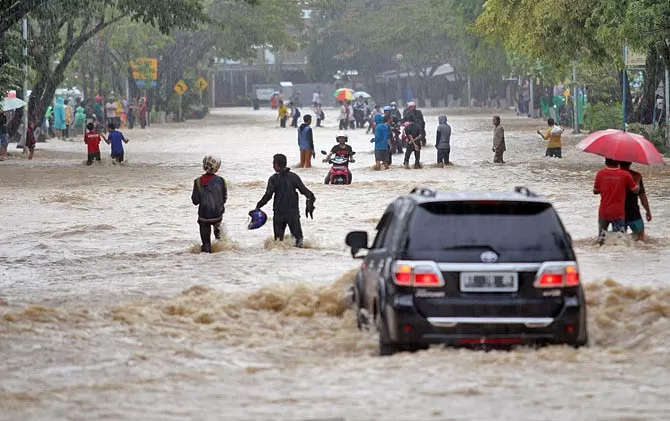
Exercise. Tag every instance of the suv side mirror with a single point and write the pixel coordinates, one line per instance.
(357, 240)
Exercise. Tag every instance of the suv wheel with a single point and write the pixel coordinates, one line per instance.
(385, 348)
(362, 315)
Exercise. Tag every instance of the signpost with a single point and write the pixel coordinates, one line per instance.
(180, 88)
(201, 84)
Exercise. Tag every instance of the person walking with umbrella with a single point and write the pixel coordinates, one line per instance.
(611, 184)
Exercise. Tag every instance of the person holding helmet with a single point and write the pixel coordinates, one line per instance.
(283, 185)
(210, 195)
(341, 149)
(418, 119)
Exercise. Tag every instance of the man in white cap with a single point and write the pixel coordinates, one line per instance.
(418, 119)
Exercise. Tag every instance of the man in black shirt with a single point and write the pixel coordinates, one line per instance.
(634, 219)
(283, 185)
(343, 150)
(414, 136)
(4, 137)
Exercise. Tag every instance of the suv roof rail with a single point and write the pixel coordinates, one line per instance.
(524, 190)
(424, 191)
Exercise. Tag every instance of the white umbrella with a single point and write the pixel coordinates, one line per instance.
(363, 94)
(12, 104)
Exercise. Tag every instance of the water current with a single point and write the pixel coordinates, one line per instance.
(108, 311)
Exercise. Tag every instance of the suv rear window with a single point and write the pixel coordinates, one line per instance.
(516, 231)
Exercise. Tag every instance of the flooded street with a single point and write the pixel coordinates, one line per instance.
(108, 311)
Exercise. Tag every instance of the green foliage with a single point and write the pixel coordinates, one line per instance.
(603, 116)
(165, 15)
(656, 136)
(11, 75)
(554, 31)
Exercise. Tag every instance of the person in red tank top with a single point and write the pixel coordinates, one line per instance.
(92, 139)
(611, 184)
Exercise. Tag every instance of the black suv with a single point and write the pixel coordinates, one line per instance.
(469, 269)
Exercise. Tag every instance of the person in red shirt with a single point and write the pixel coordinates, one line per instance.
(92, 139)
(611, 184)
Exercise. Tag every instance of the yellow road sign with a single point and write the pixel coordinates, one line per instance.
(180, 87)
(201, 84)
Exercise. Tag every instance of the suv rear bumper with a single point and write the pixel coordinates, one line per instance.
(407, 326)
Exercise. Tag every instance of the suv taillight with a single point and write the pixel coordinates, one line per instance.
(557, 275)
(417, 274)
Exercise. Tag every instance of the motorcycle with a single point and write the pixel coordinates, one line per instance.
(397, 135)
(339, 172)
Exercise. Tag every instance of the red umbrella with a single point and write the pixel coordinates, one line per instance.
(621, 146)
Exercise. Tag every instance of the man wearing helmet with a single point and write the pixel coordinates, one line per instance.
(418, 119)
(341, 149)
(395, 113)
(210, 194)
(283, 185)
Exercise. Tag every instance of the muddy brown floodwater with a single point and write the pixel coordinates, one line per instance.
(107, 311)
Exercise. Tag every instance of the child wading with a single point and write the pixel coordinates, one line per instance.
(116, 139)
(210, 194)
(92, 140)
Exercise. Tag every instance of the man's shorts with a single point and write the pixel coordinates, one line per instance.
(553, 152)
(4, 140)
(118, 157)
(636, 226)
(92, 157)
(382, 156)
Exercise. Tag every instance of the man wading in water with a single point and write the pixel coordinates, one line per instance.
(498, 141)
(283, 185)
(210, 195)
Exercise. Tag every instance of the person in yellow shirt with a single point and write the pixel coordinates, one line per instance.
(553, 135)
(282, 114)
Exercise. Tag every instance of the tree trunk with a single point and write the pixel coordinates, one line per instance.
(644, 111)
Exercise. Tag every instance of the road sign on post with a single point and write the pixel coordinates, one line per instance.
(201, 84)
(180, 87)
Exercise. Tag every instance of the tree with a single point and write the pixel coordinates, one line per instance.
(554, 31)
(60, 28)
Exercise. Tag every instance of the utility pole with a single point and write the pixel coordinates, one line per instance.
(531, 105)
(469, 93)
(623, 85)
(666, 85)
(25, 84)
(575, 97)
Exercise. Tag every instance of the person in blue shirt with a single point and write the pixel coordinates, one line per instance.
(116, 139)
(382, 142)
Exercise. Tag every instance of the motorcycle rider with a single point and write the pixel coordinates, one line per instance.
(343, 150)
(283, 185)
(394, 125)
(418, 119)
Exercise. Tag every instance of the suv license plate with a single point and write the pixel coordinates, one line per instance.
(489, 281)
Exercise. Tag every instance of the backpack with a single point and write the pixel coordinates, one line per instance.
(211, 199)
(556, 130)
